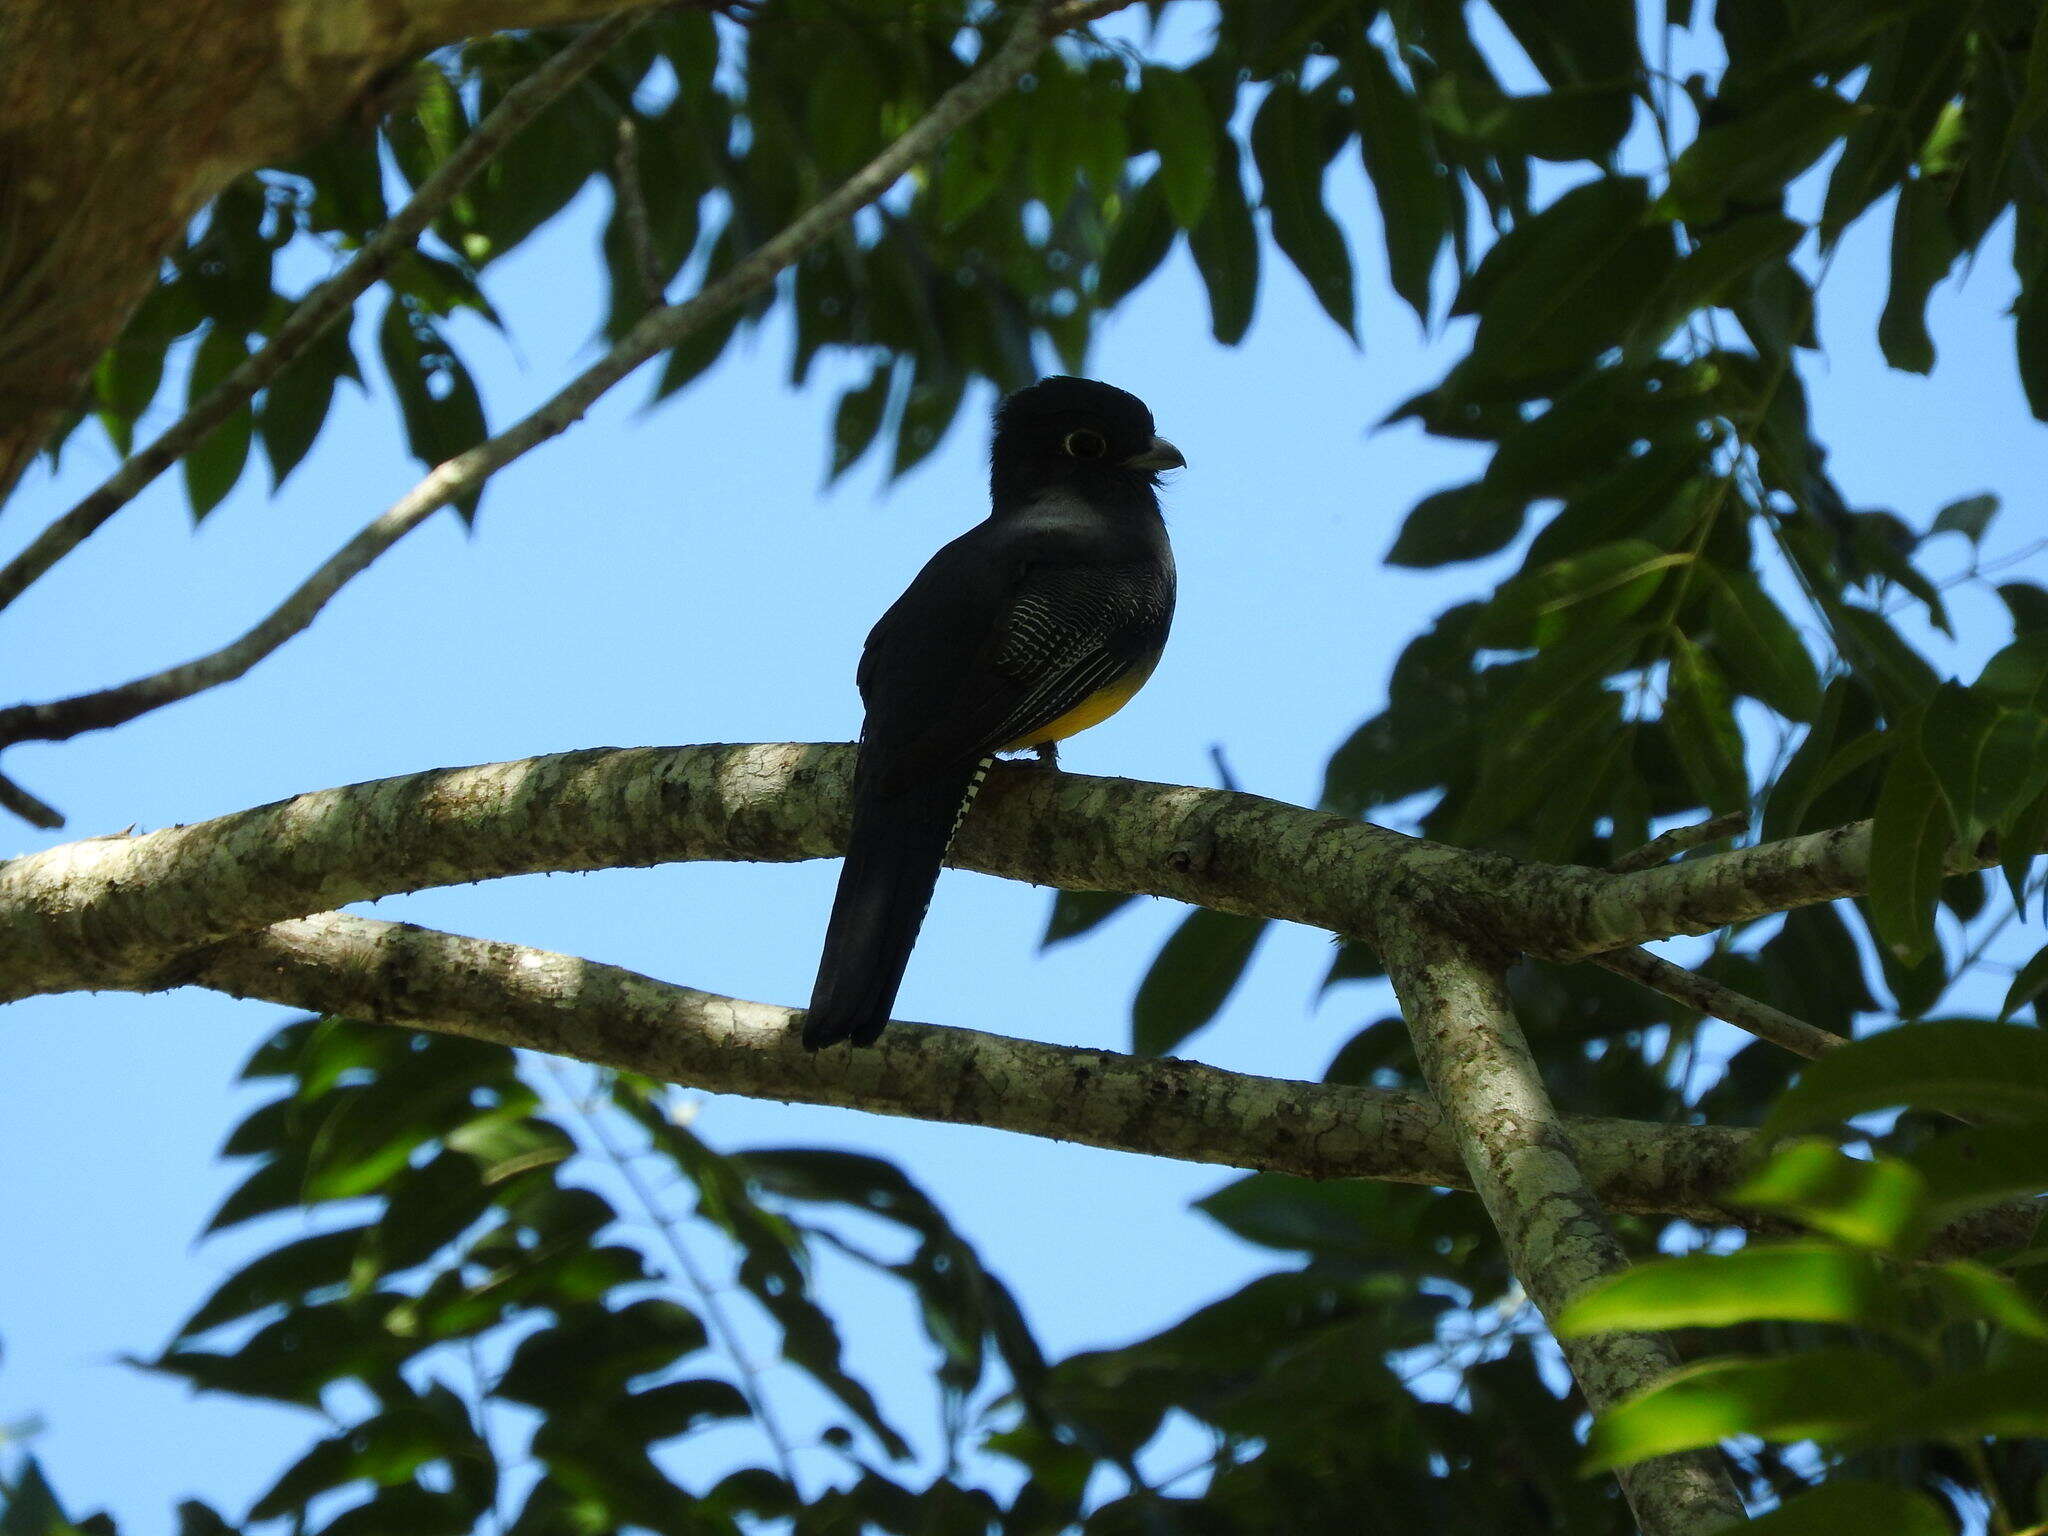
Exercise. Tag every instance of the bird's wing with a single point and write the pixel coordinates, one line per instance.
(1062, 633)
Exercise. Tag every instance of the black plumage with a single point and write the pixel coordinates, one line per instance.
(1034, 624)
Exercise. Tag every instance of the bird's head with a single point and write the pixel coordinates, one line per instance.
(1080, 432)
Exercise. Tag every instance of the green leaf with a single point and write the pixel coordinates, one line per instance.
(1400, 155)
(858, 419)
(1599, 588)
(2006, 1401)
(1909, 842)
(1923, 249)
(1554, 722)
(1793, 1282)
(1290, 145)
(2026, 986)
(438, 400)
(1462, 522)
(1915, 69)
(1816, 1394)
(1758, 646)
(2022, 842)
(1178, 124)
(1899, 674)
(688, 358)
(1347, 1220)
(1970, 1293)
(1699, 713)
(1970, 516)
(1139, 239)
(1967, 1068)
(1225, 245)
(1574, 122)
(215, 464)
(1192, 975)
(1567, 283)
(1077, 912)
(279, 1277)
(295, 405)
(1955, 733)
(1876, 1203)
(1714, 273)
(929, 408)
(125, 381)
(1838, 1506)
(1982, 1165)
(2030, 341)
(1750, 158)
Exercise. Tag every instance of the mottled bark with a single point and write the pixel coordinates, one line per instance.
(1525, 1167)
(394, 973)
(103, 912)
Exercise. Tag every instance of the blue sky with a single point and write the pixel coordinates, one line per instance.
(683, 575)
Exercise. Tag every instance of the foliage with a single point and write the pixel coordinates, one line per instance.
(1696, 620)
(1891, 1366)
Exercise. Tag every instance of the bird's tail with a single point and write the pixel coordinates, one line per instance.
(893, 856)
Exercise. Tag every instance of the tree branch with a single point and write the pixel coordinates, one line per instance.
(318, 311)
(1708, 996)
(1525, 1167)
(393, 973)
(660, 329)
(1669, 845)
(98, 913)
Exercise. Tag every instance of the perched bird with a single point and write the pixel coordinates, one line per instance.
(1035, 624)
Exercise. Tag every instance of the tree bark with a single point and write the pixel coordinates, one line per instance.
(1524, 1165)
(121, 119)
(108, 912)
(394, 973)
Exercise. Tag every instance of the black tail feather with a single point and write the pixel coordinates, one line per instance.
(893, 856)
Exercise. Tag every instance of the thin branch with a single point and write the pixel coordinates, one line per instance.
(749, 1383)
(1669, 845)
(660, 329)
(1708, 996)
(633, 214)
(1527, 1169)
(320, 309)
(394, 973)
(25, 805)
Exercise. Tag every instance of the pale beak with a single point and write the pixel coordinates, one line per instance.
(1161, 455)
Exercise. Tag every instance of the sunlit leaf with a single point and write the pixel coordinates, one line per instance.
(1816, 1394)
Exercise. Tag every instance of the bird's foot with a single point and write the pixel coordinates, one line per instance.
(1048, 756)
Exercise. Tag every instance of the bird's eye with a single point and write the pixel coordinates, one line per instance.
(1086, 443)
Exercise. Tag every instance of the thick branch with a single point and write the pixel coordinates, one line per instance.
(99, 913)
(397, 974)
(1525, 1167)
(661, 329)
(320, 309)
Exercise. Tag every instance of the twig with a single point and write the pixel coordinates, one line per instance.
(633, 214)
(321, 308)
(749, 1384)
(1669, 845)
(1710, 997)
(28, 807)
(662, 328)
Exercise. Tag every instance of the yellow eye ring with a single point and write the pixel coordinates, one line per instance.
(1085, 443)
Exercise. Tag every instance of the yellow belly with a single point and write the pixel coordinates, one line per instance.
(1093, 710)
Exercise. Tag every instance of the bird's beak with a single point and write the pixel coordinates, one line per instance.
(1161, 455)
